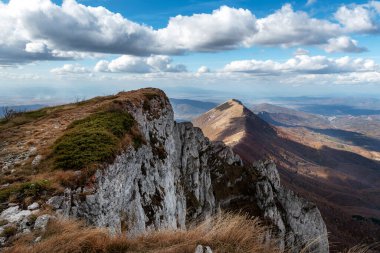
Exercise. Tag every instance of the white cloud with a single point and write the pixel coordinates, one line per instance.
(203, 69)
(287, 27)
(133, 64)
(70, 69)
(225, 28)
(42, 30)
(26, 31)
(303, 64)
(362, 18)
(36, 47)
(343, 44)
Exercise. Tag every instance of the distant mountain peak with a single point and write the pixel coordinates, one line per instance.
(233, 100)
(229, 121)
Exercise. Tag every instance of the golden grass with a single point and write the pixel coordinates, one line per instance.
(223, 233)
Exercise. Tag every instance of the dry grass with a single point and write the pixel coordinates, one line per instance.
(224, 233)
(21, 142)
(364, 248)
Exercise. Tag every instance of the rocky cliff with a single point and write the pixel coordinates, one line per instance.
(177, 176)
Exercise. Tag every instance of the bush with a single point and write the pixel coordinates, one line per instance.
(92, 140)
(9, 231)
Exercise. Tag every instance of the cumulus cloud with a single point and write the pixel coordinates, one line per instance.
(133, 64)
(42, 30)
(343, 44)
(303, 64)
(363, 18)
(70, 69)
(225, 28)
(27, 30)
(287, 27)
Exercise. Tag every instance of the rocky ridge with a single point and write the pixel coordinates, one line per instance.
(177, 176)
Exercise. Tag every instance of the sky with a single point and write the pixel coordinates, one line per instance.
(57, 51)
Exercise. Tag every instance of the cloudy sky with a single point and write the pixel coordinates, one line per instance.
(60, 50)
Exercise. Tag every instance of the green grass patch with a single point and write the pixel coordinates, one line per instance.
(9, 231)
(22, 190)
(20, 118)
(92, 140)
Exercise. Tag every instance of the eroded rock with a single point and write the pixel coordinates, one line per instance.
(42, 221)
(14, 214)
(178, 176)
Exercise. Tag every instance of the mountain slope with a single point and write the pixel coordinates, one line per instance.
(123, 163)
(343, 184)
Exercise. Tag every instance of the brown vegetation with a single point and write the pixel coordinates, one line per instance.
(224, 234)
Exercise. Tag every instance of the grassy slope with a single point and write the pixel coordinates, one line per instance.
(81, 136)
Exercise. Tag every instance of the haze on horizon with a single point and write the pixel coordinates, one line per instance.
(55, 51)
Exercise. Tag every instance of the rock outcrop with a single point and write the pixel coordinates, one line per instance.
(177, 175)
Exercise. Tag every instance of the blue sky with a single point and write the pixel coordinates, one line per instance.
(54, 51)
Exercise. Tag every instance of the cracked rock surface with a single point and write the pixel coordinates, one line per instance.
(178, 175)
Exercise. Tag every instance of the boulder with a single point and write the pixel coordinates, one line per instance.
(42, 221)
(14, 214)
(33, 206)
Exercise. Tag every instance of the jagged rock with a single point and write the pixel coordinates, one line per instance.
(36, 161)
(42, 221)
(14, 214)
(33, 206)
(203, 249)
(178, 176)
(2, 240)
(55, 202)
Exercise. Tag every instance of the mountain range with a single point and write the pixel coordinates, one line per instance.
(334, 167)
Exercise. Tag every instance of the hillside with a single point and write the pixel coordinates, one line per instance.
(344, 184)
(121, 162)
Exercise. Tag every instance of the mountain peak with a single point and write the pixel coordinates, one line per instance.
(234, 101)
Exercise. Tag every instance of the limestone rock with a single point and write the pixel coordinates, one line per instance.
(33, 206)
(14, 214)
(55, 202)
(203, 249)
(178, 175)
(199, 249)
(42, 221)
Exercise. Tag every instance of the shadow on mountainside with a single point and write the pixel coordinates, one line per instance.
(354, 138)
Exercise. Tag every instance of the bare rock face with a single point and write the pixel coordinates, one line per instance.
(178, 175)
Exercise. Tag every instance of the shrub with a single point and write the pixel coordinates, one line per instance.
(9, 231)
(91, 140)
